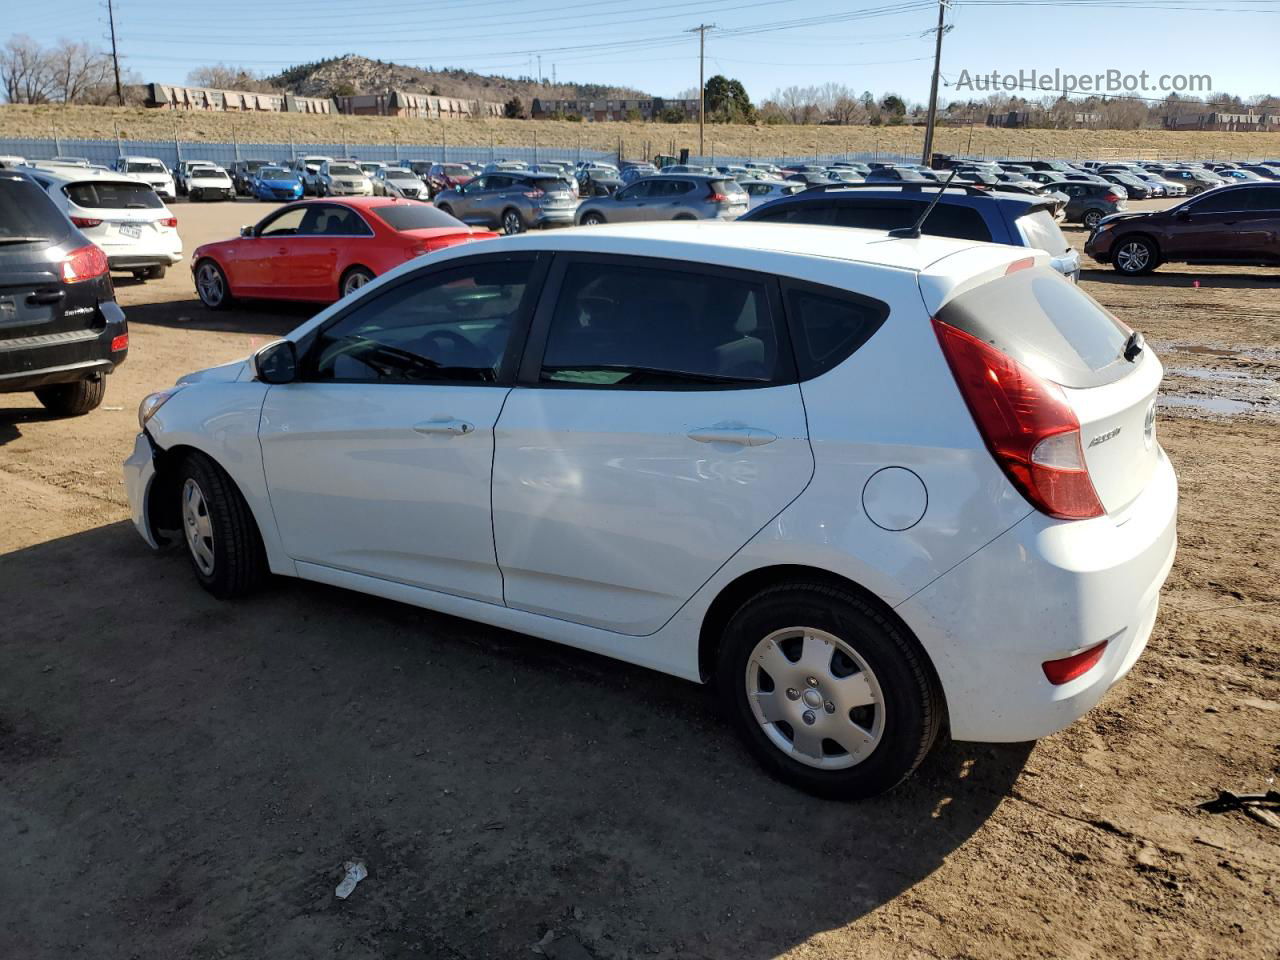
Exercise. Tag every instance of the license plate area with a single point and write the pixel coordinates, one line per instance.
(131, 230)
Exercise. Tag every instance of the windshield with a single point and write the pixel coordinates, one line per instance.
(395, 173)
(275, 173)
(145, 166)
(417, 216)
(112, 195)
(343, 170)
(455, 170)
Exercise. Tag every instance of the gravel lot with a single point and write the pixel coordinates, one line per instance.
(184, 778)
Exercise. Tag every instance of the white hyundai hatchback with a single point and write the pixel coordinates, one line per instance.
(870, 487)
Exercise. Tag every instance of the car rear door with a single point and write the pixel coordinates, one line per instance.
(378, 456)
(655, 429)
(1200, 229)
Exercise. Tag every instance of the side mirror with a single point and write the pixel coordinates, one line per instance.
(246, 231)
(276, 362)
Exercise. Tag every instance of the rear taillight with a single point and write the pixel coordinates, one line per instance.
(169, 222)
(86, 222)
(1067, 669)
(120, 343)
(534, 194)
(1026, 423)
(717, 197)
(84, 263)
(1112, 197)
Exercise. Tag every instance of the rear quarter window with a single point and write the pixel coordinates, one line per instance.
(1047, 323)
(828, 325)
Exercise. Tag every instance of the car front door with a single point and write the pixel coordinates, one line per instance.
(378, 457)
(655, 429)
(256, 266)
(1200, 230)
(629, 204)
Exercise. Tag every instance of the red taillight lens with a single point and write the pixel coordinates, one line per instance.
(1077, 665)
(534, 194)
(1112, 197)
(1026, 423)
(169, 222)
(86, 222)
(120, 343)
(83, 264)
(714, 197)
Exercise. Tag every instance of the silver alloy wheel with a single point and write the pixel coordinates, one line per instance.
(815, 698)
(511, 223)
(354, 282)
(592, 220)
(197, 526)
(1091, 219)
(209, 283)
(1133, 256)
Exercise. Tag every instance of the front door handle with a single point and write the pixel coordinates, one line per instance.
(741, 436)
(447, 426)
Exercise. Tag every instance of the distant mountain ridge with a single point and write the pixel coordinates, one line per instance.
(354, 74)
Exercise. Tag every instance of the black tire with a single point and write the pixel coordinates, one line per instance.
(685, 216)
(1091, 218)
(445, 208)
(1134, 256)
(908, 714)
(592, 219)
(238, 561)
(511, 222)
(155, 273)
(355, 278)
(215, 296)
(73, 399)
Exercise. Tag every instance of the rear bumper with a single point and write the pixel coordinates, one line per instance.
(556, 218)
(43, 361)
(136, 261)
(1044, 590)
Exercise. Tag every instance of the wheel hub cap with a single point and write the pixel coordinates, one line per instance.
(197, 526)
(815, 697)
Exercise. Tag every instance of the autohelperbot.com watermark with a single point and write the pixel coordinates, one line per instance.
(1108, 82)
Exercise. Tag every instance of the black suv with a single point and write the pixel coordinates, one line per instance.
(61, 330)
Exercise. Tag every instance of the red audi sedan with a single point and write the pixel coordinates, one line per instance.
(322, 250)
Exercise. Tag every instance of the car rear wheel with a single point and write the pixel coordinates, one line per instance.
(73, 399)
(592, 220)
(353, 280)
(151, 273)
(1134, 256)
(511, 223)
(829, 693)
(222, 539)
(1091, 218)
(211, 285)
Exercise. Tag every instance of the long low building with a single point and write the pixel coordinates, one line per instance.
(1228, 122)
(168, 96)
(401, 103)
(650, 108)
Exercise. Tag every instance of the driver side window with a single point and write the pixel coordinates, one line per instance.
(286, 223)
(452, 325)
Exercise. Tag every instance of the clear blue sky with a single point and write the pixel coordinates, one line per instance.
(768, 44)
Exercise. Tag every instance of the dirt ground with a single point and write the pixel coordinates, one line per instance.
(185, 778)
(140, 123)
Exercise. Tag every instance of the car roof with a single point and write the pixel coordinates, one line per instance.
(71, 174)
(915, 191)
(691, 241)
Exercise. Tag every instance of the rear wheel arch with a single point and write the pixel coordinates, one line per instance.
(737, 592)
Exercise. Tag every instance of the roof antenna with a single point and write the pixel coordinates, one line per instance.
(913, 232)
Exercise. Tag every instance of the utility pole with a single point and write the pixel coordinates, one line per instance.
(115, 56)
(539, 68)
(701, 30)
(933, 87)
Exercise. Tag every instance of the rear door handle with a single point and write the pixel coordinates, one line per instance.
(741, 436)
(44, 298)
(448, 426)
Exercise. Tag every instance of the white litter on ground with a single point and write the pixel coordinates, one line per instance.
(355, 873)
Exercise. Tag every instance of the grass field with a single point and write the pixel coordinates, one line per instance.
(135, 123)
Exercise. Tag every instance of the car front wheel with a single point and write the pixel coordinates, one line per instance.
(1134, 256)
(222, 539)
(829, 693)
(592, 220)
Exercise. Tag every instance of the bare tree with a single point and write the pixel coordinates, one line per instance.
(800, 104)
(24, 70)
(222, 76)
(78, 72)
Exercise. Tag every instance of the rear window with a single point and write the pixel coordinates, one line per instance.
(26, 212)
(110, 195)
(416, 216)
(343, 170)
(1040, 230)
(144, 166)
(727, 186)
(1047, 323)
